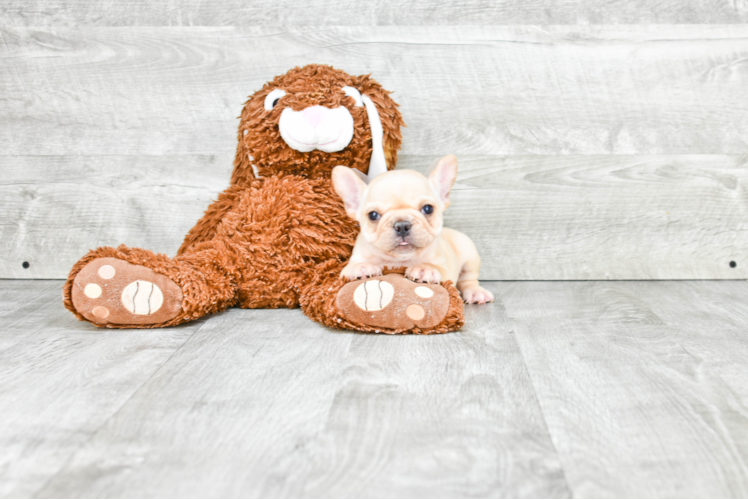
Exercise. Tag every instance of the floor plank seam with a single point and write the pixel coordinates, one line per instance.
(117, 411)
(21, 318)
(537, 400)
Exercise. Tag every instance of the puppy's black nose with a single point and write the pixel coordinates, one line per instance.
(402, 228)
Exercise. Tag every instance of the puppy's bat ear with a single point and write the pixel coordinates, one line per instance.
(443, 176)
(364, 178)
(350, 187)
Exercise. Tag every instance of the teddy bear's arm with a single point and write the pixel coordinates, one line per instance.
(205, 229)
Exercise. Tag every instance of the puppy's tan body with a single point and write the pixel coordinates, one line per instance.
(400, 214)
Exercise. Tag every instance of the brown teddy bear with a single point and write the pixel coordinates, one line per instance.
(279, 235)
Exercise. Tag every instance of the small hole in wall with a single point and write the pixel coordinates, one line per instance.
(733, 263)
(26, 264)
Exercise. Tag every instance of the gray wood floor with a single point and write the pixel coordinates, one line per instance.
(559, 389)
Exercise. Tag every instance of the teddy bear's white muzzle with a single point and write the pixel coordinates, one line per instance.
(317, 127)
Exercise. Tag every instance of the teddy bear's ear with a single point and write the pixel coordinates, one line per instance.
(385, 121)
(350, 186)
(378, 163)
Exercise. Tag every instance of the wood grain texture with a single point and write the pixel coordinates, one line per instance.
(134, 129)
(359, 13)
(532, 217)
(27, 309)
(642, 383)
(583, 389)
(61, 379)
(672, 89)
(54, 209)
(268, 404)
(604, 217)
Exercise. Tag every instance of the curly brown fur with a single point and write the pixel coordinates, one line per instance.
(280, 240)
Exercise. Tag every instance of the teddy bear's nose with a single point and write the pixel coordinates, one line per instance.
(314, 115)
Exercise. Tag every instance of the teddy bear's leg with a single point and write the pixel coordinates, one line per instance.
(135, 288)
(384, 304)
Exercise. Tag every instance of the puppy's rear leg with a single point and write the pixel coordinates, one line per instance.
(468, 284)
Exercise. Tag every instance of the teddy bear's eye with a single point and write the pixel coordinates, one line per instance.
(272, 98)
(374, 215)
(427, 209)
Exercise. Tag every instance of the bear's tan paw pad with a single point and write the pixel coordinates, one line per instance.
(109, 290)
(373, 295)
(393, 302)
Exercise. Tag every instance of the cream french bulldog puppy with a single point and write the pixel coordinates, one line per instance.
(400, 214)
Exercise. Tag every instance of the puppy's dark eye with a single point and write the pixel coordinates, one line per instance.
(275, 102)
(373, 216)
(427, 209)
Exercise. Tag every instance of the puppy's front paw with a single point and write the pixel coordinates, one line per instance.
(357, 271)
(424, 274)
(477, 295)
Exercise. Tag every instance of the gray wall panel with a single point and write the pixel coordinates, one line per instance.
(587, 152)
(375, 12)
(532, 217)
(501, 90)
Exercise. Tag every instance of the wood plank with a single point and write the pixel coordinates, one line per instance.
(604, 217)
(532, 217)
(465, 90)
(62, 379)
(642, 384)
(24, 306)
(264, 403)
(54, 209)
(715, 307)
(379, 12)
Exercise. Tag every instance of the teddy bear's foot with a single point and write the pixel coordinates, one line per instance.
(113, 291)
(392, 302)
